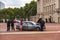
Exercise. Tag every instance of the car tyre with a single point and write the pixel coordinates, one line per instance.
(37, 29)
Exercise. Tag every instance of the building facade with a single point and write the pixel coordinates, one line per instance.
(2, 5)
(48, 9)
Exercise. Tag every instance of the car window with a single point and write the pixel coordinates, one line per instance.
(30, 24)
(24, 24)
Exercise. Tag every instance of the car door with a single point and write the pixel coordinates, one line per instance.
(30, 26)
(25, 25)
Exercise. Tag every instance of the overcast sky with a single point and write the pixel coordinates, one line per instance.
(15, 3)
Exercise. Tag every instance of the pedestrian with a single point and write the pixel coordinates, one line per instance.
(12, 25)
(21, 25)
(50, 19)
(42, 24)
(46, 20)
(8, 25)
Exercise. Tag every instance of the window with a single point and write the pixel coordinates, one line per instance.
(24, 24)
(30, 24)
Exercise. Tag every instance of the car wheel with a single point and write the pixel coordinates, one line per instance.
(37, 29)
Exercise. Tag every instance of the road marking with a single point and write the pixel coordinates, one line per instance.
(46, 32)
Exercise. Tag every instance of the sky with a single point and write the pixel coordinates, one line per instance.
(15, 3)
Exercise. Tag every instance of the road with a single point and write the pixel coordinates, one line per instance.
(30, 36)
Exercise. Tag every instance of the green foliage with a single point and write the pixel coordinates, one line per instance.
(22, 12)
(30, 9)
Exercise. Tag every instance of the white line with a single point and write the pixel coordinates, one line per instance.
(46, 32)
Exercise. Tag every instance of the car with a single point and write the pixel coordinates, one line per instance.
(29, 25)
(17, 20)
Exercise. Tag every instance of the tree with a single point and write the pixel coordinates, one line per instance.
(16, 12)
(33, 7)
(30, 9)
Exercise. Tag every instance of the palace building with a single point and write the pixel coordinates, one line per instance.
(48, 9)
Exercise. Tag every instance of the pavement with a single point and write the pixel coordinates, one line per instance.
(30, 36)
(49, 26)
(52, 32)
